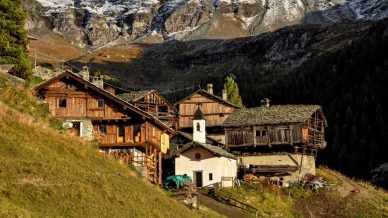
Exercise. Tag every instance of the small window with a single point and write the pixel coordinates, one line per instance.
(210, 176)
(62, 102)
(198, 127)
(262, 133)
(100, 103)
(197, 156)
(163, 109)
(102, 129)
(222, 115)
(121, 131)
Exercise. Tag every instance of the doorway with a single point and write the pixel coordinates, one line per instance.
(120, 134)
(198, 178)
(75, 130)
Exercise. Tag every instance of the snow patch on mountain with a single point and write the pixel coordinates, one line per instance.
(97, 22)
(369, 9)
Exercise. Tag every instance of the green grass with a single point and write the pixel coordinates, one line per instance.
(44, 173)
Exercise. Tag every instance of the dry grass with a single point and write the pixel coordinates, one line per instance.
(348, 198)
(53, 49)
(115, 54)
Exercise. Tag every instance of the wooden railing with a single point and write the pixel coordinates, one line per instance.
(216, 193)
(274, 136)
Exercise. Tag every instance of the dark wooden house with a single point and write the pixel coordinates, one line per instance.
(153, 102)
(94, 113)
(215, 109)
(276, 126)
(278, 142)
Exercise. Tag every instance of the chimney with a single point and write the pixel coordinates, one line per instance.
(85, 73)
(224, 95)
(210, 88)
(98, 81)
(199, 127)
(265, 102)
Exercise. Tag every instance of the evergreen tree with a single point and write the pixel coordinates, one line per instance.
(232, 91)
(13, 37)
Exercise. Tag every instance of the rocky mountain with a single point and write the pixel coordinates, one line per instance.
(98, 22)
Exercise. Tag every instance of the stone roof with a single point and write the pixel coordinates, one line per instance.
(189, 136)
(213, 149)
(276, 114)
(134, 95)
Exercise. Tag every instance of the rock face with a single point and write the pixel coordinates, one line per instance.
(98, 22)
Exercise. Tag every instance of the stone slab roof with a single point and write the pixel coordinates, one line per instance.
(276, 114)
(213, 149)
(134, 95)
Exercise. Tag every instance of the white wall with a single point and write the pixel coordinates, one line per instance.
(199, 136)
(220, 167)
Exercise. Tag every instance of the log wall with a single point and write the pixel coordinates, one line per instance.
(80, 103)
(215, 112)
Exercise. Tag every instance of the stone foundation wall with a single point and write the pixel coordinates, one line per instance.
(86, 127)
(305, 164)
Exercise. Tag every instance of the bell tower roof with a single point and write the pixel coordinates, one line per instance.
(198, 115)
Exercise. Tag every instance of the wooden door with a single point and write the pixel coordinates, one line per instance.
(198, 178)
(120, 134)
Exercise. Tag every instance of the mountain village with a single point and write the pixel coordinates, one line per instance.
(202, 136)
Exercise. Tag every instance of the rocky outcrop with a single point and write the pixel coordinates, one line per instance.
(380, 175)
(98, 22)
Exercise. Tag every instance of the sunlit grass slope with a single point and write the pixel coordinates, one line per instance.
(45, 173)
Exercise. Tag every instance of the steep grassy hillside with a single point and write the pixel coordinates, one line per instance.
(44, 173)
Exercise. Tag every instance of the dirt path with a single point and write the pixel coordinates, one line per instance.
(221, 208)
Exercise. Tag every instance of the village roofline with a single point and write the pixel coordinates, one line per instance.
(272, 115)
(218, 151)
(142, 95)
(106, 94)
(116, 87)
(202, 91)
(136, 95)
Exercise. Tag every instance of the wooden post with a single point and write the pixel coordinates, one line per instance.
(269, 136)
(155, 163)
(160, 169)
(254, 136)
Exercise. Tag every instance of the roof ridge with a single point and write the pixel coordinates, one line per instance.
(212, 95)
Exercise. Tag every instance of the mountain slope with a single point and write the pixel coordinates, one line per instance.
(47, 174)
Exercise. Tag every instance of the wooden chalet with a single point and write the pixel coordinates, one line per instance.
(215, 109)
(92, 112)
(276, 142)
(154, 103)
(277, 126)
